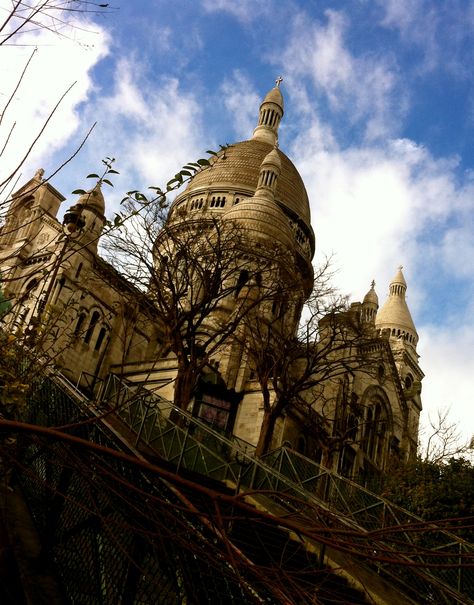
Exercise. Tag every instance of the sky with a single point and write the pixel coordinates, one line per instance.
(379, 121)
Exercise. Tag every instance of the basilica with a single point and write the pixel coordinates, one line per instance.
(350, 398)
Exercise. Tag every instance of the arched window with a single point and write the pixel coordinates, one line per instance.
(59, 287)
(92, 324)
(79, 324)
(78, 270)
(100, 339)
(301, 445)
(30, 286)
(374, 434)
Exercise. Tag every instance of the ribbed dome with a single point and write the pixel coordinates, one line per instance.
(274, 96)
(371, 296)
(264, 219)
(239, 167)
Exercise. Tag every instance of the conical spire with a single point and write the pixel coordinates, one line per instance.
(270, 115)
(395, 315)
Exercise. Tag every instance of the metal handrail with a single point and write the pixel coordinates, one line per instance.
(193, 445)
(195, 441)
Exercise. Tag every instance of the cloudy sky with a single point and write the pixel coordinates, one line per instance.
(379, 120)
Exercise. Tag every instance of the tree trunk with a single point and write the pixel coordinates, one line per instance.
(183, 388)
(266, 432)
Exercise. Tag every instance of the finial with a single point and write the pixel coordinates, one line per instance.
(372, 285)
(400, 267)
(39, 174)
(278, 81)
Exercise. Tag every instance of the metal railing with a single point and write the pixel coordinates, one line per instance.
(187, 443)
(425, 563)
(102, 519)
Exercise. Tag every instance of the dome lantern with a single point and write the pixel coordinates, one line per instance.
(270, 115)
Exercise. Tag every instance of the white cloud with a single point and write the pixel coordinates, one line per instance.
(57, 63)
(447, 356)
(439, 30)
(401, 14)
(370, 204)
(365, 89)
(242, 102)
(151, 128)
(243, 10)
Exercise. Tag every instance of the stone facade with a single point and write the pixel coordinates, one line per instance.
(100, 324)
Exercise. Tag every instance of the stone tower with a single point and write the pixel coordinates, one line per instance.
(394, 321)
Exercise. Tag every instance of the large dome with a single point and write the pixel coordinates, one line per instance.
(238, 167)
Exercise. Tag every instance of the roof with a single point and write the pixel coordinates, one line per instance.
(238, 167)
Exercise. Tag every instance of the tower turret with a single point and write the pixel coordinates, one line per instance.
(370, 305)
(395, 315)
(260, 215)
(269, 172)
(270, 115)
(92, 206)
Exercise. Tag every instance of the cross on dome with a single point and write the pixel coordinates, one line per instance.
(278, 81)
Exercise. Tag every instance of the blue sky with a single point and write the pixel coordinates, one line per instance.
(379, 119)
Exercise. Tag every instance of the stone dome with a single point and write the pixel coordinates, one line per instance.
(371, 296)
(262, 218)
(274, 96)
(238, 168)
(395, 315)
(93, 200)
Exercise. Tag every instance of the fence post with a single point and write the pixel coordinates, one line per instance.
(181, 454)
(460, 569)
(139, 434)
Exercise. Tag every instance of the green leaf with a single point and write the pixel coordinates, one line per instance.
(203, 162)
(186, 173)
(210, 152)
(93, 176)
(107, 181)
(112, 171)
(190, 167)
(78, 192)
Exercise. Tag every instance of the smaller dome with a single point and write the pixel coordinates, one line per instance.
(93, 200)
(274, 96)
(273, 158)
(270, 114)
(263, 219)
(399, 278)
(371, 296)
